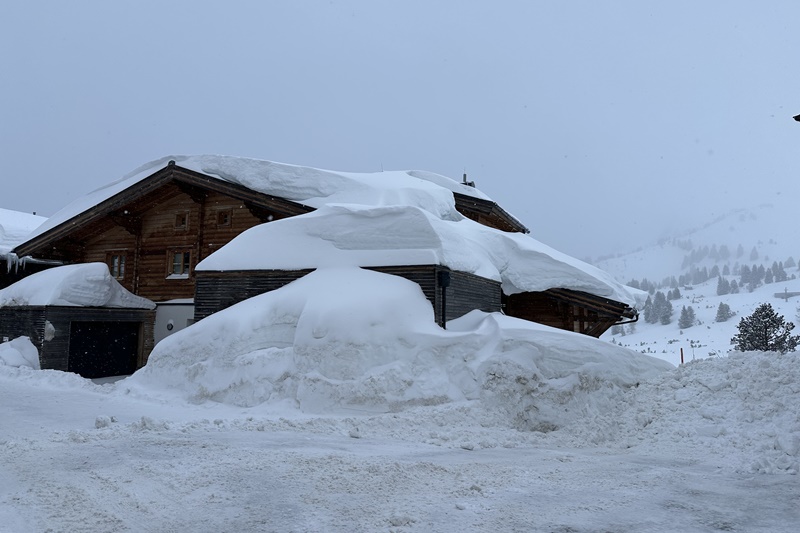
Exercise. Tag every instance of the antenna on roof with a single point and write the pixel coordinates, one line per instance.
(468, 183)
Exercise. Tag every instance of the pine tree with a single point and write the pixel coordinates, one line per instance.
(687, 317)
(659, 308)
(765, 331)
(666, 314)
(723, 312)
(734, 287)
(723, 286)
(647, 311)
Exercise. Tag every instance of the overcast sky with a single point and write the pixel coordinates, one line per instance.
(599, 124)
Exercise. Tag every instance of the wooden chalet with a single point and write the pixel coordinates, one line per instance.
(154, 232)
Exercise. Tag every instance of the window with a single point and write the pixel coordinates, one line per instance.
(181, 221)
(116, 264)
(224, 217)
(179, 262)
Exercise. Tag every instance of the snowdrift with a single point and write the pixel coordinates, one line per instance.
(83, 285)
(19, 352)
(375, 348)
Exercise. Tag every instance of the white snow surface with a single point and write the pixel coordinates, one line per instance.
(376, 346)
(354, 235)
(310, 186)
(15, 226)
(19, 352)
(82, 285)
(289, 413)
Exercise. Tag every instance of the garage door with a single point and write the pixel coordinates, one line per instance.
(102, 349)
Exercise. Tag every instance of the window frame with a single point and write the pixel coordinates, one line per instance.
(118, 271)
(182, 221)
(185, 263)
(227, 213)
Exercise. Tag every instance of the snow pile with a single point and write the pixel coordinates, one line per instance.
(375, 347)
(15, 227)
(19, 352)
(339, 235)
(83, 285)
(742, 407)
(305, 185)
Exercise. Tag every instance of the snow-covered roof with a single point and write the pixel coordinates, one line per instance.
(15, 227)
(351, 235)
(83, 285)
(309, 186)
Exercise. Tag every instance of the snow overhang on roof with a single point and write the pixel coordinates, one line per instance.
(15, 227)
(350, 235)
(83, 285)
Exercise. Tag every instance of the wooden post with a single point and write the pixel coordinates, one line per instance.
(681, 355)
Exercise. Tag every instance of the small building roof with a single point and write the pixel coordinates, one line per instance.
(81, 285)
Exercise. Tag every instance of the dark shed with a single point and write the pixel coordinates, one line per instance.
(91, 341)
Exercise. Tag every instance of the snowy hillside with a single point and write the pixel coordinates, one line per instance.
(729, 239)
(690, 265)
(707, 338)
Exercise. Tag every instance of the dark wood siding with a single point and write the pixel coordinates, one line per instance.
(468, 292)
(219, 290)
(569, 310)
(22, 322)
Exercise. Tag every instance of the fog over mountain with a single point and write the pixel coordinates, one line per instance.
(754, 250)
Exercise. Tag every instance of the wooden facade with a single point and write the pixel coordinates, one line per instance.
(452, 294)
(570, 310)
(119, 339)
(487, 213)
(152, 235)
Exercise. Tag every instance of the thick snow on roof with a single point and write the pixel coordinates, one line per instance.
(349, 235)
(84, 285)
(15, 227)
(376, 347)
(305, 185)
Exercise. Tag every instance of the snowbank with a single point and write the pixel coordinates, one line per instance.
(83, 285)
(351, 235)
(19, 352)
(375, 347)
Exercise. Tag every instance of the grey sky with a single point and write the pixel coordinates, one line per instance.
(599, 124)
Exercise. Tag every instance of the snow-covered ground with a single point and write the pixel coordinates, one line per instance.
(707, 338)
(288, 413)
